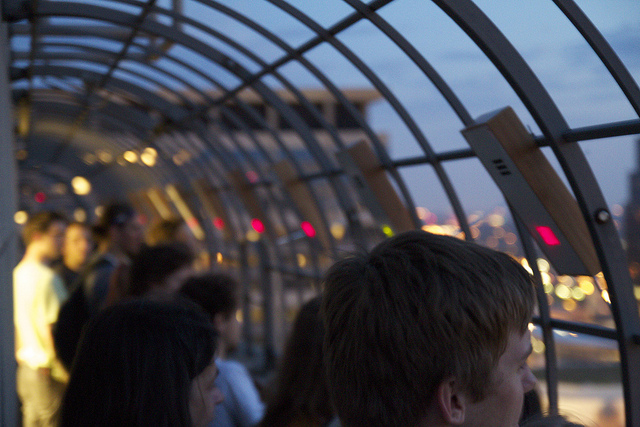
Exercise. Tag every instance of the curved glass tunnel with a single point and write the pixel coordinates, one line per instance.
(288, 133)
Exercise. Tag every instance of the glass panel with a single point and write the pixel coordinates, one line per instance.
(590, 389)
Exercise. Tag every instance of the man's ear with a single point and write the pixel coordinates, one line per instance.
(451, 402)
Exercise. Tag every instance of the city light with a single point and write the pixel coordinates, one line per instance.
(149, 156)
(80, 215)
(302, 260)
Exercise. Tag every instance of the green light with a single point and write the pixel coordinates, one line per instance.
(388, 231)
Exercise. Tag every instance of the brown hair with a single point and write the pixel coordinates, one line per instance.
(418, 309)
(302, 395)
(40, 223)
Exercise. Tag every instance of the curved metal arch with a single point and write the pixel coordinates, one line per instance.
(542, 108)
(310, 140)
(393, 101)
(126, 114)
(90, 11)
(302, 99)
(116, 117)
(166, 108)
(58, 176)
(109, 53)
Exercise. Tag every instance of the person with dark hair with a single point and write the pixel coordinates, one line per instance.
(173, 230)
(428, 330)
(217, 294)
(144, 363)
(38, 293)
(119, 235)
(159, 271)
(301, 397)
(76, 249)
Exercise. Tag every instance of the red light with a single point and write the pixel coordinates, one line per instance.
(308, 229)
(547, 235)
(252, 176)
(192, 222)
(218, 223)
(40, 197)
(257, 225)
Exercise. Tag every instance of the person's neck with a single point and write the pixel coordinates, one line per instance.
(222, 349)
(34, 254)
(72, 265)
(117, 252)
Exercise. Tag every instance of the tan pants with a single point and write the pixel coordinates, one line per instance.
(41, 396)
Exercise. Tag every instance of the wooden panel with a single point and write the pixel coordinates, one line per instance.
(210, 200)
(378, 182)
(534, 190)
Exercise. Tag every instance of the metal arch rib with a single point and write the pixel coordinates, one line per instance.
(612, 257)
(393, 101)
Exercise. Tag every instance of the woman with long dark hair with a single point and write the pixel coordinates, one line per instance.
(144, 362)
(301, 397)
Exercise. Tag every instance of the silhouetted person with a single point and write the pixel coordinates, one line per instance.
(301, 396)
(119, 235)
(144, 363)
(217, 294)
(160, 271)
(174, 230)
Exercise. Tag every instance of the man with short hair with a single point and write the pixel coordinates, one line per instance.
(428, 330)
(120, 236)
(38, 293)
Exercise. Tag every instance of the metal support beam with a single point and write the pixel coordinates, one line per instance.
(8, 241)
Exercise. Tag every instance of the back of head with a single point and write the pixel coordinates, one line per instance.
(115, 214)
(40, 223)
(418, 309)
(135, 365)
(301, 393)
(164, 231)
(154, 264)
(214, 292)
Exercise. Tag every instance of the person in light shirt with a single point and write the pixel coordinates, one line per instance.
(38, 293)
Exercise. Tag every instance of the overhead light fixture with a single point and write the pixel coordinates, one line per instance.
(81, 185)
(130, 156)
(149, 156)
(20, 217)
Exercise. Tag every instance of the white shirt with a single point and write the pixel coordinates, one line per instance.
(38, 293)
